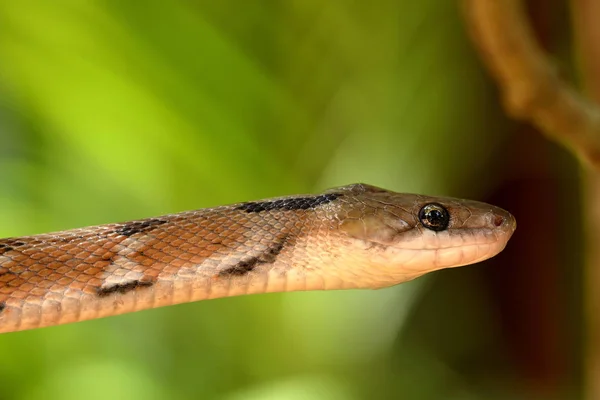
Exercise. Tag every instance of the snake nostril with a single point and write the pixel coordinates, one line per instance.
(498, 220)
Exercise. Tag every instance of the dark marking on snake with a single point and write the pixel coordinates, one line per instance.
(123, 288)
(5, 248)
(131, 228)
(245, 266)
(10, 244)
(294, 203)
(2, 306)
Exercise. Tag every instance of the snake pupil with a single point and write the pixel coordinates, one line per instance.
(434, 216)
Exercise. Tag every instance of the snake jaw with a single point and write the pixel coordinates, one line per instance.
(408, 259)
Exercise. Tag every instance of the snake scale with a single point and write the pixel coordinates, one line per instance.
(356, 236)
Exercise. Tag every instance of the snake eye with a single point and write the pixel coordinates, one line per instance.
(434, 216)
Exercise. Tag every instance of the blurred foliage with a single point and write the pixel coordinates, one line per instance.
(112, 110)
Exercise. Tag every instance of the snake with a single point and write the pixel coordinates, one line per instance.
(351, 237)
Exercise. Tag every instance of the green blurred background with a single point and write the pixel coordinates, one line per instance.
(113, 110)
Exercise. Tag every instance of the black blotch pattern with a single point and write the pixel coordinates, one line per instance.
(2, 306)
(294, 203)
(4, 248)
(123, 288)
(10, 244)
(132, 228)
(245, 266)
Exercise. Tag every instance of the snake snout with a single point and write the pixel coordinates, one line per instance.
(503, 220)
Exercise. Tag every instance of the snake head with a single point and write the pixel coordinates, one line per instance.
(402, 236)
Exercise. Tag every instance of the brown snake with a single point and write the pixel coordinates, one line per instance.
(356, 236)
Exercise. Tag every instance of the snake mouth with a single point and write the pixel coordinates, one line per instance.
(419, 251)
(419, 240)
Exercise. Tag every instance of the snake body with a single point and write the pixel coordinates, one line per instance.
(357, 236)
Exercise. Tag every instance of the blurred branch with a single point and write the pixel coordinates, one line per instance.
(530, 84)
(587, 34)
(534, 92)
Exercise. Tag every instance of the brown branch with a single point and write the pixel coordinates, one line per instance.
(530, 85)
(533, 91)
(587, 33)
